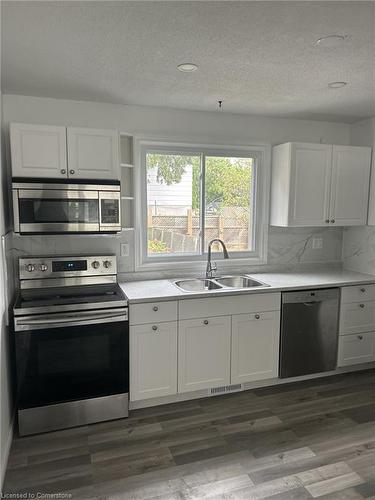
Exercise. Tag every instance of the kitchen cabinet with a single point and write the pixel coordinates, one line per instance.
(319, 185)
(152, 312)
(38, 151)
(357, 317)
(255, 346)
(356, 349)
(357, 325)
(204, 353)
(350, 185)
(93, 153)
(153, 360)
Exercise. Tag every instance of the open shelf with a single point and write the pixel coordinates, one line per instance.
(127, 181)
(126, 150)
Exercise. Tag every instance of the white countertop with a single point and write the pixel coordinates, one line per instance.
(151, 290)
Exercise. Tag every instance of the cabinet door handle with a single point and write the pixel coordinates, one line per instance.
(363, 290)
(333, 221)
(362, 306)
(327, 221)
(257, 316)
(63, 171)
(155, 308)
(205, 322)
(155, 328)
(360, 337)
(71, 172)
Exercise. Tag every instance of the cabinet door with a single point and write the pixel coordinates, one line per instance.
(204, 353)
(38, 150)
(356, 349)
(310, 184)
(350, 185)
(93, 154)
(255, 346)
(153, 360)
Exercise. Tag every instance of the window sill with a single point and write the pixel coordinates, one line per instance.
(199, 266)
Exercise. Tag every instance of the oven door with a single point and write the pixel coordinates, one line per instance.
(65, 360)
(57, 211)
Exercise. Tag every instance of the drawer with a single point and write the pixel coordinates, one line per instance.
(229, 305)
(153, 312)
(357, 317)
(356, 349)
(358, 293)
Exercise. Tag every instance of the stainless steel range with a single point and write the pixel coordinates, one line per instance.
(71, 338)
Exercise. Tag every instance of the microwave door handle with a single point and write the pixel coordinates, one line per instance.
(61, 321)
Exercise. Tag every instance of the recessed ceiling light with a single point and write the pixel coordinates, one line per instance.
(337, 85)
(331, 40)
(187, 67)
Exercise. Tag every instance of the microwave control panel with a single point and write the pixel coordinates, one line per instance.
(110, 211)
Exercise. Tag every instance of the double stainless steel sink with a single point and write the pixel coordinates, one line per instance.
(224, 282)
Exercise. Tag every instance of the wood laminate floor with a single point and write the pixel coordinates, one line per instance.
(312, 439)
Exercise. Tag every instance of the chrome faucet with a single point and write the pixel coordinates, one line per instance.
(211, 266)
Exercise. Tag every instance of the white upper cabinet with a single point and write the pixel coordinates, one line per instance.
(38, 150)
(319, 185)
(350, 185)
(58, 152)
(93, 153)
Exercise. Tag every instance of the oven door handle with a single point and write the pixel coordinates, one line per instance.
(71, 320)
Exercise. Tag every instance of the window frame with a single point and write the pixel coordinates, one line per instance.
(193, 262)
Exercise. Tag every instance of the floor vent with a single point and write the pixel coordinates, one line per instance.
(224, 389)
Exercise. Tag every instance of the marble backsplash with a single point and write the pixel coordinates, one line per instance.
(359, 249)
(288, 249)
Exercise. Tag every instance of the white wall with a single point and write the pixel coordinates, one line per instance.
(359, 242)
(286, 246)
(6, 410)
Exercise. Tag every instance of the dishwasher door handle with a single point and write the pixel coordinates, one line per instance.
(312, 303)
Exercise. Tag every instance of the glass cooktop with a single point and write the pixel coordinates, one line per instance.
(88, 294)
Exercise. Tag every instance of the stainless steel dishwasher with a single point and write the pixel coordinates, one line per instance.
(309, 332)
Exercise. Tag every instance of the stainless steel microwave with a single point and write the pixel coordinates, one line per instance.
(55, 206)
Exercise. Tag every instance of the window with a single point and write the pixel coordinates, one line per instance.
(193, 195)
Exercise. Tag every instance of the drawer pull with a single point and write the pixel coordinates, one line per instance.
(362, 306)
(363, 290)
(205, 322)
(360, 337)
(257, 316)
(155, 308)
(155, 328)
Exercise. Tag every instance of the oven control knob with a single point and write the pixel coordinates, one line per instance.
(96, 264)
(107, 264)
(30, 268)
(43, 267)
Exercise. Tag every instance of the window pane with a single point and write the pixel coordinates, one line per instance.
(229, 210)
(173, 203)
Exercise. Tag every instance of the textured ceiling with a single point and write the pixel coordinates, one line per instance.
(258, 57)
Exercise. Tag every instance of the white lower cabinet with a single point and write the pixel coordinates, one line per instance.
(357, 317)
(255, 346)
(356, 349)
(204, 353)
(153, 360)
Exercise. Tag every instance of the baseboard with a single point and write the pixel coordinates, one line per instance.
(5, 453)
